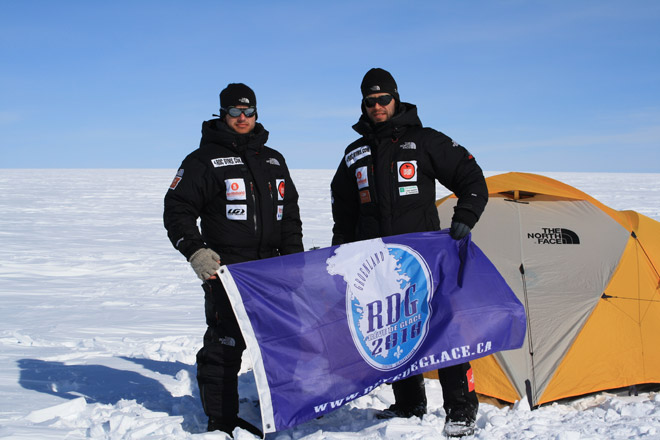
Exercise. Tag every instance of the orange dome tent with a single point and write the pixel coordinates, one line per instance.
(588, 278)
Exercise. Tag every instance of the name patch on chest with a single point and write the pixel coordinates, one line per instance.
(226, 161)
(357, 154)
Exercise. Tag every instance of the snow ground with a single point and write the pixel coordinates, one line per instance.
(101, 319)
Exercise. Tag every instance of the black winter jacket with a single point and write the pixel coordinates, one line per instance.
(241, 191)
(385, 184)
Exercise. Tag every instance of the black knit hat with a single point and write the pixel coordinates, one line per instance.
(236, 94)
(378, 80)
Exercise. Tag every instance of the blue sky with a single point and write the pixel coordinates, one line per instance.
(524, 85)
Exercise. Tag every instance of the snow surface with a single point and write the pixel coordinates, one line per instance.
(101, 318)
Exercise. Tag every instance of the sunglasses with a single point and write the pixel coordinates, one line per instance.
(236, 112)
(381, 100)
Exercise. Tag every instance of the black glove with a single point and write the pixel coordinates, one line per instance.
(461, 223)
(458, 230)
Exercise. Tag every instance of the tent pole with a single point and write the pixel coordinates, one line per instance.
(529, 387)
(648, 257)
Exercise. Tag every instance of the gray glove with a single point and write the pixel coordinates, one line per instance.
(205, 262)
(458, 230)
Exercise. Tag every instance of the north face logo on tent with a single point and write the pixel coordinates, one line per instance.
(554, 236)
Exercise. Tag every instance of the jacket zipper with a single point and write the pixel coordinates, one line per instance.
(272, 199)
(394, 182)
(394, 186)
(254, 209)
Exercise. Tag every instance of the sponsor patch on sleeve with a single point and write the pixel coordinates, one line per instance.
(280, 212)
(177, 179)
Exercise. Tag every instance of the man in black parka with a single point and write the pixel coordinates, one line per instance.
(385, 185)
(242, 192)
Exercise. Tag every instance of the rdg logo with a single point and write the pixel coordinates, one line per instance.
(389, 327)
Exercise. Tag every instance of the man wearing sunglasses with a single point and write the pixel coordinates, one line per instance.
(385, 185)
(242, 192)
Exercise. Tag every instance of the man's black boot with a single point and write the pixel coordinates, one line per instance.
(459, 423)
(228, 426)
(409, 399)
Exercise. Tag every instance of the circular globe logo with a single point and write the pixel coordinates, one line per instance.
(388, 297)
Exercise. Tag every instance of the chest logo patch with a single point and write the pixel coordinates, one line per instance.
(407, 171)
(365, 196)
(361, 177)
(235, 189)
(237, 212)
(408, 190)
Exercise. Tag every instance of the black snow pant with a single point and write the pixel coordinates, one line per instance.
(458, 393)
(219, 360)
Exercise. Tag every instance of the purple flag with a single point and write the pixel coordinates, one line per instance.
(328, 326)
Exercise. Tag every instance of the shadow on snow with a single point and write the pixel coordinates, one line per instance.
(101, 384)
(105, 385)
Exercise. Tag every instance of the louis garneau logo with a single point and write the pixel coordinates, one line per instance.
(388, 299)
(554, 236)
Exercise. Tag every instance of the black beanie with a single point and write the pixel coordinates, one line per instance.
(236, 94)
(378, 80)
